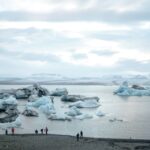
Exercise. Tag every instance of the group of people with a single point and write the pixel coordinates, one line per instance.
(12, 131)
(42, 131)
(79, 135)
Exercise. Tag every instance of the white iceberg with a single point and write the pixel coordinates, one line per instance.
(125, 90)
(16, 124)
(100, 114)
(44, 103)
(85, 104)
(40, 101)
(84, 116)
(73, 111)
(59, 92)
(8, 101)
(47, 108)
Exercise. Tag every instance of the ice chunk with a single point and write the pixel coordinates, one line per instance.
(100, 114)
(47, 108)
(75, 98)
(29, 111)
(59, 92)
(73, 111)
(16, 124)
(40, 101)
(9, 101)
(124, 90)
(85, 104)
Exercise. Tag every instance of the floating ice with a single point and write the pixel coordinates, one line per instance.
(45, 104)
(47, 108)
(29, 111)
(59, 92)
(40, 101)
(125, 90)
(8, 101)
(100, 114)
(16, 124)
(73, 111)
(85, 104)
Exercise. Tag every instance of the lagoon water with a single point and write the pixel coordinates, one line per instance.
(135, 112)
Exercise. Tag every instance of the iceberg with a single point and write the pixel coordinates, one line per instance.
(29, 111)
(100, 114)
(73, 111)
(85, 104)
(36, 89)
(44, 103)
(125, 90)
(11, 100)
(16, 124)
(47, 108)
(9, 107)
(75, 98)
(40, 101)
(59, 92)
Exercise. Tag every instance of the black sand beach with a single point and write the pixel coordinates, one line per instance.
(60, 142)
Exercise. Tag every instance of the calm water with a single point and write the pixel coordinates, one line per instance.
(135, 111)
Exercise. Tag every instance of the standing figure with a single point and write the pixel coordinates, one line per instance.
(36, 131)
(12, 130)
(77, 136)
(6, 132)
(41, 131)
(81, 134)
(46, 130)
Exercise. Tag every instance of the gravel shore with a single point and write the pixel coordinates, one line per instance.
(62, 142)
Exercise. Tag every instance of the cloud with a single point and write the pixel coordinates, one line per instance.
(74, 36)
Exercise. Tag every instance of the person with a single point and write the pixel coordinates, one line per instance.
(6, 132)
(36, 131)
(77, 136)
(46, 130)
(81, 134)
(12, 130)
(41, 131)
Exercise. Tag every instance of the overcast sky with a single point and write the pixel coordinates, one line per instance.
(74, 37)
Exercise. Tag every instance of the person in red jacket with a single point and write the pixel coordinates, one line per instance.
(12, 130)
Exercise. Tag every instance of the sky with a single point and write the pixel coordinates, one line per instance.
(74, 37)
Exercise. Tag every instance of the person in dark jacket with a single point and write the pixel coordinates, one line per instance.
(81, 134)
(77, 136)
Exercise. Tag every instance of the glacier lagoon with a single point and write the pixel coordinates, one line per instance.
(133, 111)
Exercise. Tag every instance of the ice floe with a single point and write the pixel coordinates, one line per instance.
(85, 104)
(125, 90)
(73, 111)
(59, 92)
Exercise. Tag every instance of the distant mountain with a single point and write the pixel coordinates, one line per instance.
(59, 79)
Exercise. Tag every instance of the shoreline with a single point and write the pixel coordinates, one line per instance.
(67, 142)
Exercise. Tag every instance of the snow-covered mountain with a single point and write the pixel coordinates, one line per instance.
(59, 79)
